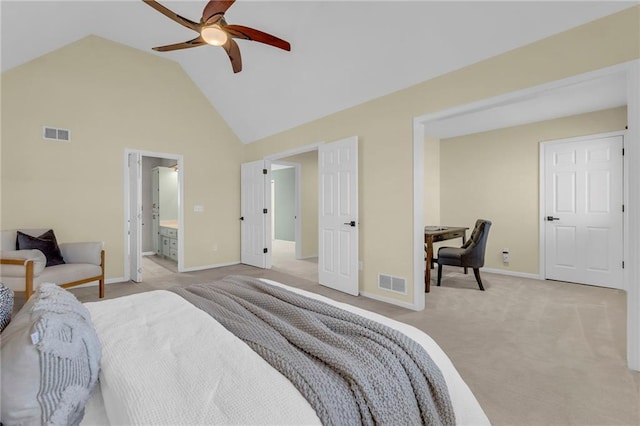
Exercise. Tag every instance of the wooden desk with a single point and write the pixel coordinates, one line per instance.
(433, 234)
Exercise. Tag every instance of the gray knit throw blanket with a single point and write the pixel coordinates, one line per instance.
(352, 370)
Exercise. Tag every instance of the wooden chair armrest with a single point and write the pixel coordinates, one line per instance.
(28, 277)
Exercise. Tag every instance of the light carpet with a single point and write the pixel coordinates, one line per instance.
(533, 352)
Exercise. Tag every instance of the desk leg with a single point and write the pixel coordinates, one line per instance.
(428, 241)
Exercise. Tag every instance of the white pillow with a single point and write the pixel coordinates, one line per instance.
(50, 360)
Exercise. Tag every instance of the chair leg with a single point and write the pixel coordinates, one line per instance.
(476, 272)
(101, 282)
(28, 280)
(439, 273)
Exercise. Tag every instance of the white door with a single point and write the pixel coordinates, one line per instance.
(584, 211)
(338, 215)
(255, 216)
(135, 216)
(155, 210)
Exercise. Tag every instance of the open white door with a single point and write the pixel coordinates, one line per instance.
(135, 216)
(255, 202)
(338, 215)
(584, 213)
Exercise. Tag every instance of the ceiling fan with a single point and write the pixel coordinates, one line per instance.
(214, 30)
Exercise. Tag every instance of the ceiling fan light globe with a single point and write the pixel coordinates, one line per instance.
(214, 35)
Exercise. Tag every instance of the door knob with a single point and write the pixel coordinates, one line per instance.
(352, 223)
(551, 218)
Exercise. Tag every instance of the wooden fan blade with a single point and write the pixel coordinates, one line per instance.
(198, 41)
(252, 34)
(234, 54)
(214, 10)
(174, 16)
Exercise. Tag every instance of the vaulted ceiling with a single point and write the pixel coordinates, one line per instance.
(343, 52)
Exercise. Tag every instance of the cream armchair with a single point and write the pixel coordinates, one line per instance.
(25, 270)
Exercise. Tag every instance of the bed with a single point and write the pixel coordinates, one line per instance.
(165, 361)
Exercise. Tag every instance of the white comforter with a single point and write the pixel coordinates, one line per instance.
(166, 362)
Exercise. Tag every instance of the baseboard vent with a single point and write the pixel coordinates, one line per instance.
(56, 134)
(391, 283)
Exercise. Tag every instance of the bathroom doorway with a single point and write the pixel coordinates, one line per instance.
(153, 214)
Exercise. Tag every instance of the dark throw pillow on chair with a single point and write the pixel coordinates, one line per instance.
(46, 243)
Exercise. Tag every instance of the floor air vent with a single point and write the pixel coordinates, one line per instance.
(55, 134)
(391, 283)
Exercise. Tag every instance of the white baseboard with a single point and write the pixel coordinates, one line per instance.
(201, 268)
(308, 257)
(148, 253)
(512, 273)
(123, 280)
(389, 300)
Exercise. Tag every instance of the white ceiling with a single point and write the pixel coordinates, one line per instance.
(343, 52)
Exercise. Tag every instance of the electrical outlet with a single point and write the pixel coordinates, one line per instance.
(505, 255)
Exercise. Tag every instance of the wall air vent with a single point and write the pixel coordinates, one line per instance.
(56, 134)
(391, 283)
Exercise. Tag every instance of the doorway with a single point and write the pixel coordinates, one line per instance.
(337, 210)
(630, 73)
(159, 215)
(294, 198)
(153, 192)
(337, 229)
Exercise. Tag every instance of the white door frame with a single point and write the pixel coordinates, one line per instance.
(297, 230)
(127, 207)
(631, 183)
(134, 229)
(542, 186)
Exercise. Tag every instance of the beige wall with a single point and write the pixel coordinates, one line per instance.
(495, 175)
(384, 128)
(308, 200)
(113, 97)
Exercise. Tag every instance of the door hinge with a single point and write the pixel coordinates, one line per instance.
(264, 171)
(623, 208)
(623, 152)
(623, 264)
(264, 211)
(265, 250)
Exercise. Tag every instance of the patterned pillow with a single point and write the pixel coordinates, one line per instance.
(6, 305)
(50, 360)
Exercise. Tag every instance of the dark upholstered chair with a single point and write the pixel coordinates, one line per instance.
(470, 255)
